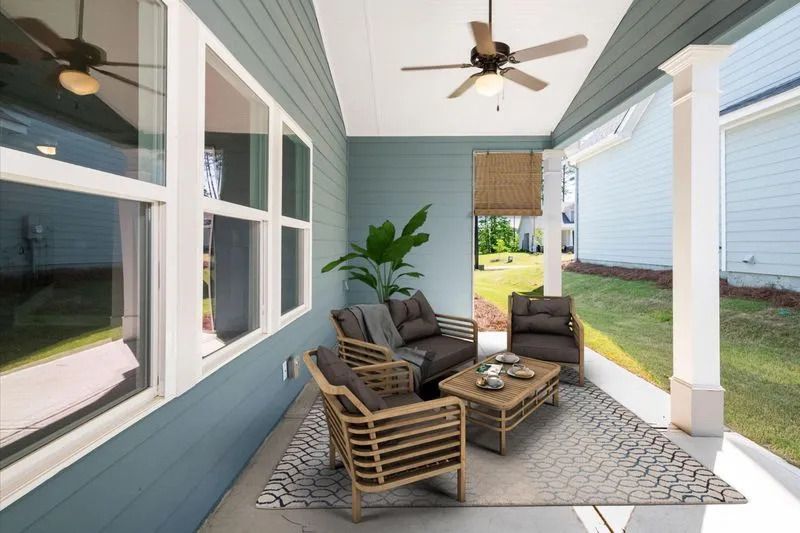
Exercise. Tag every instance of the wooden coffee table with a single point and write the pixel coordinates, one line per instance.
(503, 410)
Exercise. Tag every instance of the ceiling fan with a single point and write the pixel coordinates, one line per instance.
(81, 56)
(491, 57)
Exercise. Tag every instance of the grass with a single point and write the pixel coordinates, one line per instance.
(630, 322)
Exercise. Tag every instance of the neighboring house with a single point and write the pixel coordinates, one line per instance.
(526, 228)
(624, 185)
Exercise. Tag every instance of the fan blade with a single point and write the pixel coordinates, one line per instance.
(44, 34)
(437, 67)
(524, 79)
(126, 80)
(469, 82)
(27, 52)
(568, 44)
(127, 64)
(483, 38)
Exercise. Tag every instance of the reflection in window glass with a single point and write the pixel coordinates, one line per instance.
(296, 176)
(73, 311)
(236, 127)
(291, 268)
(230, 280)
(88, 90)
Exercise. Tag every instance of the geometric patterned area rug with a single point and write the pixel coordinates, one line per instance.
(590, 450)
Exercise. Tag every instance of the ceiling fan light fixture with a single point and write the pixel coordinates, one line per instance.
(78, 82)
(489, 84)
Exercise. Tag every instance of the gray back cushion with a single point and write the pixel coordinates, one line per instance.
(549, 316)
(414, 317)
(349, 324)
(337, 372)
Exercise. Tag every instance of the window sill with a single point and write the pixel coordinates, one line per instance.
(226, 354)
(23, 476)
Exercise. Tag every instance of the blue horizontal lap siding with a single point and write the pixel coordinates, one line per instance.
(392, 177)
(166, 472)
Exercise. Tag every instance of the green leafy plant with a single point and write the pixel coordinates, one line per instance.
(382, 257)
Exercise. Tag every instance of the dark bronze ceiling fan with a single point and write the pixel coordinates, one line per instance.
(81, 57)
(491, 57)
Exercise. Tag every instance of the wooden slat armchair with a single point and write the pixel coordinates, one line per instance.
(357, 352)
(564, 349)
(395, 446)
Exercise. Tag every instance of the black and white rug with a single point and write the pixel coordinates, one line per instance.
(590, 450)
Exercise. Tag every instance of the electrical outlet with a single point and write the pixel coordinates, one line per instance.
(285, 367)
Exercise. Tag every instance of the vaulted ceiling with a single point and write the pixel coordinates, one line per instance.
(368, 41)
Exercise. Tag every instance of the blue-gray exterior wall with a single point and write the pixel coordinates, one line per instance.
(625, 192)
(166, 472)
(393, 177)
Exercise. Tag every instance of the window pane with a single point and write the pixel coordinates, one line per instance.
(296, 176)
(237, 123)
(230, 280)
(73, 310)
(291, 268)
(65, 94)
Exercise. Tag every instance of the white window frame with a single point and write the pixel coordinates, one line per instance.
(176, 226)
(30, 471)
(264, 218)
(283, 320)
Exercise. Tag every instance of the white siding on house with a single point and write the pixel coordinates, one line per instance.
(762, 60)
(762, 189)
(625, 195)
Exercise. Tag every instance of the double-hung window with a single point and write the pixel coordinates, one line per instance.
(235, 178)
(83, 193)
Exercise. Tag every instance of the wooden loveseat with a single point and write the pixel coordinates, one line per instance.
(450, 340)
(402, 441)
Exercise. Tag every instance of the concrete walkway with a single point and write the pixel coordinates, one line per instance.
(771, 485)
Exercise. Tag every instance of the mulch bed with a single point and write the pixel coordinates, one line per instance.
(488, 316)
(663, 278)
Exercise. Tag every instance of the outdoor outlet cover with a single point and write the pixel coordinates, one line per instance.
(285, 370)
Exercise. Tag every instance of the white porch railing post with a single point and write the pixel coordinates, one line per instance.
(551, 212)
(696, 396)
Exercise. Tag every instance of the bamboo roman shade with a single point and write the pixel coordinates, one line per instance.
(508, 183)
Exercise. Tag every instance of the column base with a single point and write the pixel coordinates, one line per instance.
(699, 410)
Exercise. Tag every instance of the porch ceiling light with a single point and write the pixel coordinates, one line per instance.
(489, 84)
(78, 82)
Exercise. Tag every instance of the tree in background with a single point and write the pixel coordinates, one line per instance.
(496, 235)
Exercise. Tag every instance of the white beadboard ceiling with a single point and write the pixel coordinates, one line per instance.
(367, 41)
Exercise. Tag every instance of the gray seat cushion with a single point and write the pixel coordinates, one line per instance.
(398, 400)
(445, 352)
(555, 348)
(414, 317)
(349, 324)
(550, 316)
(337, 372)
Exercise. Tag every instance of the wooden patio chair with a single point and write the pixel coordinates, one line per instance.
(565, 347)
(409, 441)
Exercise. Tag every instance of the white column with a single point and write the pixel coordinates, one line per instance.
(695, 391)
(551, 213)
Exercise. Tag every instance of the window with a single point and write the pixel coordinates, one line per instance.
(235, 188)
(74, 321)
(77, 253)
(105, 112)
(295, 223)
(133, 263)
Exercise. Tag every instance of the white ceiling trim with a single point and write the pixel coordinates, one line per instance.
(367, 41)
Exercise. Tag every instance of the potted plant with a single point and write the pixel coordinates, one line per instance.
(382, 257)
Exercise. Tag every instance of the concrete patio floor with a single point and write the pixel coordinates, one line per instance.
(771, 485)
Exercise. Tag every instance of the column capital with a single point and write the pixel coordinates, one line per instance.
(695, 54)
(553, 154)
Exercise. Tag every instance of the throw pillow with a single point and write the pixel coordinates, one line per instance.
(414, 317)
(337, 372)
(349, 324)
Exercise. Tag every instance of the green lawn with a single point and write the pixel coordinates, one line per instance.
(630, 322)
